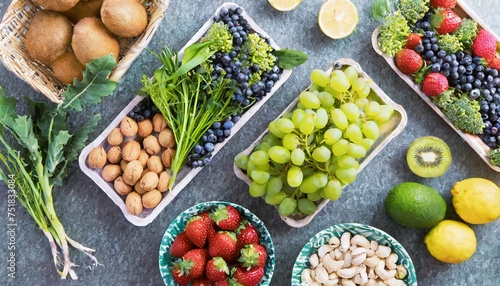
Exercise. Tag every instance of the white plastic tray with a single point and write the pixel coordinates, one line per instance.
(388, 131)
(186, 174)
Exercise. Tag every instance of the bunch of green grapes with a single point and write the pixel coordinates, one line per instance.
(313, 151)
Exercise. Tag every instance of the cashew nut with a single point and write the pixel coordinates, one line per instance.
(324, 249)
(345, 240)
(346, 272)
(358, 256)
(383, 251)
(334, 242)
(347, 259)
(391, 260)
(371, 273)
(329, 263)
(373, 245)
(371, 261)
(371, 282)
(361, 241)
(321, 275)
(331, 282)
(382, 273)
(305, 276)
(314, 260)
(347, 282)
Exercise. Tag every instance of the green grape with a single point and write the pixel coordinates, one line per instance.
(365, 93)
(264, 146)
(339, 81)
(350, 110)
(319, 179)
(321, 118)
(347, 161)
(241, 161)
(297, 117)
(274, 185)
(340, 147)
(271, 139)
(285, 125)
(356, 151)
(332, 92)
(361, 102)
(314, 87)
(337, 116)
(294, 176)
(346, 175)
(351, 73)
(250, 167)
(279, 154)
(308, 171)
(309, 100)
(386, 112)
(370, 130)
(257, 190)
(300, 106)
(287, 206)
(275, 199)
(273, 128)
(326, 99)
(307, 124)
(291, 141)
(332, 190)
(367, 143)
(265, 167)
(359, 85)
(261, 177)
(353, 133)
(306, 206)
(259, 157)
(320, 77)
(298, 156)
(288, 189)
(372, 110)
(321, 154)
(307, 185)
(316, 196)
(287, 115)
(332, 135)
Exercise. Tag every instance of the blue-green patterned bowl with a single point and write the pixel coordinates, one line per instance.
(178, 225)
(370, 232)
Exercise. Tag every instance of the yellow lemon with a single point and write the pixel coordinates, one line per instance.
(476, 200)
(284, 5)
(451, 241)
(338, 18)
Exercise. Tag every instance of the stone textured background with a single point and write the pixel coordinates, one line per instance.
(130, 253)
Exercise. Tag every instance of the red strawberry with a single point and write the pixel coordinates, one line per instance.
(443, 3)
(250, 277)
(181, 245)
(408, 61)
(217, 269)
(195, 261)
(221, 283)
(202, 282)
(179, 275)
(253, 255)
(246, 233)
(484, 45)
(209, 222)
(495, 64)
(413, 40)
(434, 84)
(223, 244)
(226, 217)
(445, 21)
(197, 231)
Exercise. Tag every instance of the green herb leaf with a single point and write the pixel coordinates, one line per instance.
(77, 142)
(55, 150)
(7, 108)
(93, 87)
(288, 59)
(193, 50)
(380, 9)
(200, 57)
(22, 129)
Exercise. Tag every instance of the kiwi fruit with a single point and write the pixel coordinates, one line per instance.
(84, 8)
(92, 40)
(48, 36)
(124, 18)
(57, 5)
(67, 67)
(428, 157)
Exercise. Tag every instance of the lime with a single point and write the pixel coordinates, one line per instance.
(338, 18)
(415, 205)
(451, 241)
(476, 200)
(284, 5)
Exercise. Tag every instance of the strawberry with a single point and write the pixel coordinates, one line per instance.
(443, 3)
(250, 277)
(217, 269)
(413, 40)
(179, 275)
(202, 282)
(195, 261)
(495, 64)
(246, 233)
(253, 255)
(181, 245)
(197, 231)
(484, 45)
(434, 84)
(221, 283)
(408, 61)
(209, 222)
(445, 21)
(226, 217)
(223, 244)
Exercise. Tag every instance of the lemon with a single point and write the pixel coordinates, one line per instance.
(451, 241)
(476, 200)
(284, 5)
(338, 18)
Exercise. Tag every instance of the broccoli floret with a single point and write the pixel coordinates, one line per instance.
(461, 111)
(221, 38)
(494, 155)
(467, 32)
(413, 10)
(449, 43)
(394, 32)
(259, 52)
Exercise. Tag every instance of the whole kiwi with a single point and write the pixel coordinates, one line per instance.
(67, 67)
(84, 8)
(57, 5)
(92, 40)
(124, 18)
(48, 36)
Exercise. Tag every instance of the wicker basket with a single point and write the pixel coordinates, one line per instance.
(15, 58)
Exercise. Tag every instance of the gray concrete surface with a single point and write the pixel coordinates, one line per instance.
(130, 253)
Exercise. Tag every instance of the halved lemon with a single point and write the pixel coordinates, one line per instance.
(284, 5)
(338, 18)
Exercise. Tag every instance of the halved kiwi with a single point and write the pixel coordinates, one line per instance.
(428, 157)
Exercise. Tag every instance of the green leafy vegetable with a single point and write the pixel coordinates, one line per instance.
(394, 32)
(288, 59)
(462, 111)
(381, 9)
(494, 156)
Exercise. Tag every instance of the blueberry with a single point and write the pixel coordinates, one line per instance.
(204, 138)
(274, 77)
(227, 133)
(474, 94)
(238, 41)
(426, 25)
(426, 41)
(428, 46)
(429, 34)
(219, 132)
(224, 12)
(419, 48)
(216, 125)
(461, 70)
(212, 138)
(269, 84)
(207, 161)
(236, 118)
(131, 114)
(197, 148)
(480, 75)
(436, 67)
(240, 98)
(441, 54)
(140, 117)
(429, 54)
(467, 87)
(228, 125)
(435, 47)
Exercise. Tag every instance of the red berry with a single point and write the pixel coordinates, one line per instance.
(221, 283)
(413, 40)
(181, 245)
(197, 231)
(253, 255)
(443, 3)
(408, 61)
(202, 282)
(484, 45)
(434, 84)
(180, 277)
(223, 244)
(217, 269)
(196, 261)
(445, 21)
(226, 217)
(250, 277)
(495, 64)
(246, 233)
